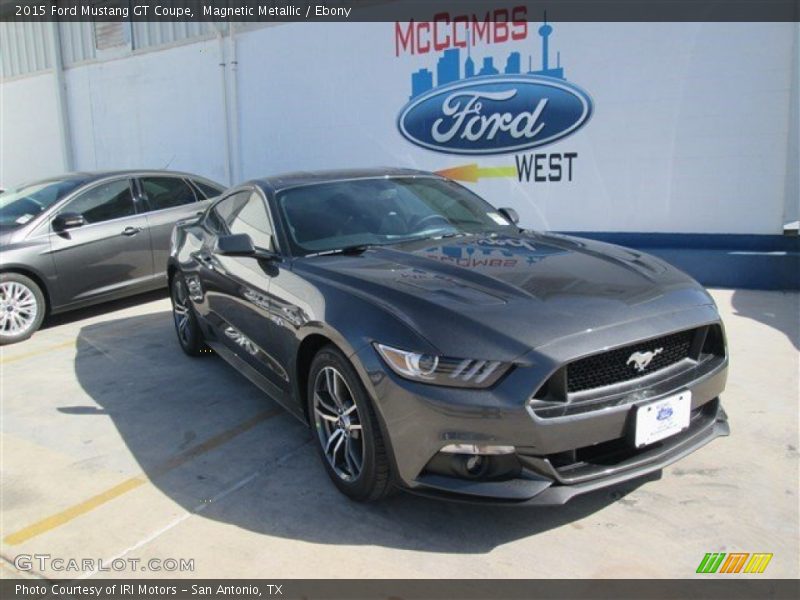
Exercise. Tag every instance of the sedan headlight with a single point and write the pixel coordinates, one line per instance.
(440, 370)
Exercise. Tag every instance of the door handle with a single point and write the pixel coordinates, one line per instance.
(129, 231)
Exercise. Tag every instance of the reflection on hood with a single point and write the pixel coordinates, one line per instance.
(528, 289)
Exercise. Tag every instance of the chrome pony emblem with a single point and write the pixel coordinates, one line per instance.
(641, 360)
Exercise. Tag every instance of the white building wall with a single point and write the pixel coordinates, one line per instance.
(792, 210)
(154, 110)
(692, 131)
(689, 132)
(29, 130)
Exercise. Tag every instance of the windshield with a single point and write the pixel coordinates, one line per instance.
(21, 205)
(381, 211)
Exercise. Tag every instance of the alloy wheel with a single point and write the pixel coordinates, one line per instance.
(18, 308)
(180, 311)
(338, 424)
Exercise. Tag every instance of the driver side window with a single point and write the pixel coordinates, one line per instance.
(243, 212)
(105, 202)
(252, 218)
(222, 212)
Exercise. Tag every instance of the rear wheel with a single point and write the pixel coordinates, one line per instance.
(189, 335)
(348, 437)
(22, 307)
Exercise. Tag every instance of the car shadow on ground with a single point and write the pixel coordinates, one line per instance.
(165, 404)
(770, 309)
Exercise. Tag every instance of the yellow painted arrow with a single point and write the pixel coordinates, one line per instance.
(473, 172)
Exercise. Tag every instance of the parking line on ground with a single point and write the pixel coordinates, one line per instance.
(175, 522)
(4, 360)
(196, 510)
(68, 514)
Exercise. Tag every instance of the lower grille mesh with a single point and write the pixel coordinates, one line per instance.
(620, 365)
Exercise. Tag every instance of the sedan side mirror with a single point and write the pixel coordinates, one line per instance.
(68, 220)
(241, 244)
(510, 214)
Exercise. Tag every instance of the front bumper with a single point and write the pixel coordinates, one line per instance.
(559, 456)
(535, 488)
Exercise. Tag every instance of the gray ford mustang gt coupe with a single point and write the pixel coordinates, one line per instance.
(84, 238)
(433, 345)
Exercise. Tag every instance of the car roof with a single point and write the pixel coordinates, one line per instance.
(84, 177)
(284, 181)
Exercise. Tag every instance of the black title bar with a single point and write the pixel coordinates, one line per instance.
(398, 10)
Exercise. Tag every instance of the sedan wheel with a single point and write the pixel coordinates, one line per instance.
(21, 307)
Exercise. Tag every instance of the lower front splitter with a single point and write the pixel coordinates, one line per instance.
(533, 489)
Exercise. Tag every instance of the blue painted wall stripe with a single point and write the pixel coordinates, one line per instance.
(767, 262)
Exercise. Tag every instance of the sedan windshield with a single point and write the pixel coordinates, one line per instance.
(21, 205)
(380, 211)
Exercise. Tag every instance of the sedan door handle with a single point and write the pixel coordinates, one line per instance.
(129, 231)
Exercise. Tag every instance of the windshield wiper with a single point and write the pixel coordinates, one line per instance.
(353, 249)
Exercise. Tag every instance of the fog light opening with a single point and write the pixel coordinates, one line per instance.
(474, 464)
(481, 449)
(471, 465)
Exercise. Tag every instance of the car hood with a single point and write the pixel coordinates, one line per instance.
(515, 292)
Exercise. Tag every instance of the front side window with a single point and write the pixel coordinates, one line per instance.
(222, 212)
(243, 212)
(105, 202)
(252, 218)
(380, 211)
(166, 192)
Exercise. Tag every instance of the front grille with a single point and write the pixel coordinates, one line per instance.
(619, 365)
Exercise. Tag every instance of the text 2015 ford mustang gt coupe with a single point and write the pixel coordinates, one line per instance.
(433, 345)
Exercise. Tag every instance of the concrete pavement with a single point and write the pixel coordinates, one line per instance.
(115, 445)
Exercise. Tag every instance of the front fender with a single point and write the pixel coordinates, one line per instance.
(352, 322)
(34, 260)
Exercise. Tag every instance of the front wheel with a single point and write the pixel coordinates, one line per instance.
(186, 326)
(22, 307)
(348, 437)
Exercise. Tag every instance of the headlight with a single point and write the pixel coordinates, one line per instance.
(440, 370)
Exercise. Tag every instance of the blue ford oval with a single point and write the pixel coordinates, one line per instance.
(495, 114)
(665, 412)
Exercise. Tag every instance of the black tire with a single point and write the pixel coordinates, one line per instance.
(23, 308)
(373, 479)
(190, 337)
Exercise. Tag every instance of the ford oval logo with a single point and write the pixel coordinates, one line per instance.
(495, 114)
(665, 412)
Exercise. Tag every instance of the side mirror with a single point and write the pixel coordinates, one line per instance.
(241, 244)
(510, 214)
(68, 220)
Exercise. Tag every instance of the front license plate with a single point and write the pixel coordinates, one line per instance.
(663, 418)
